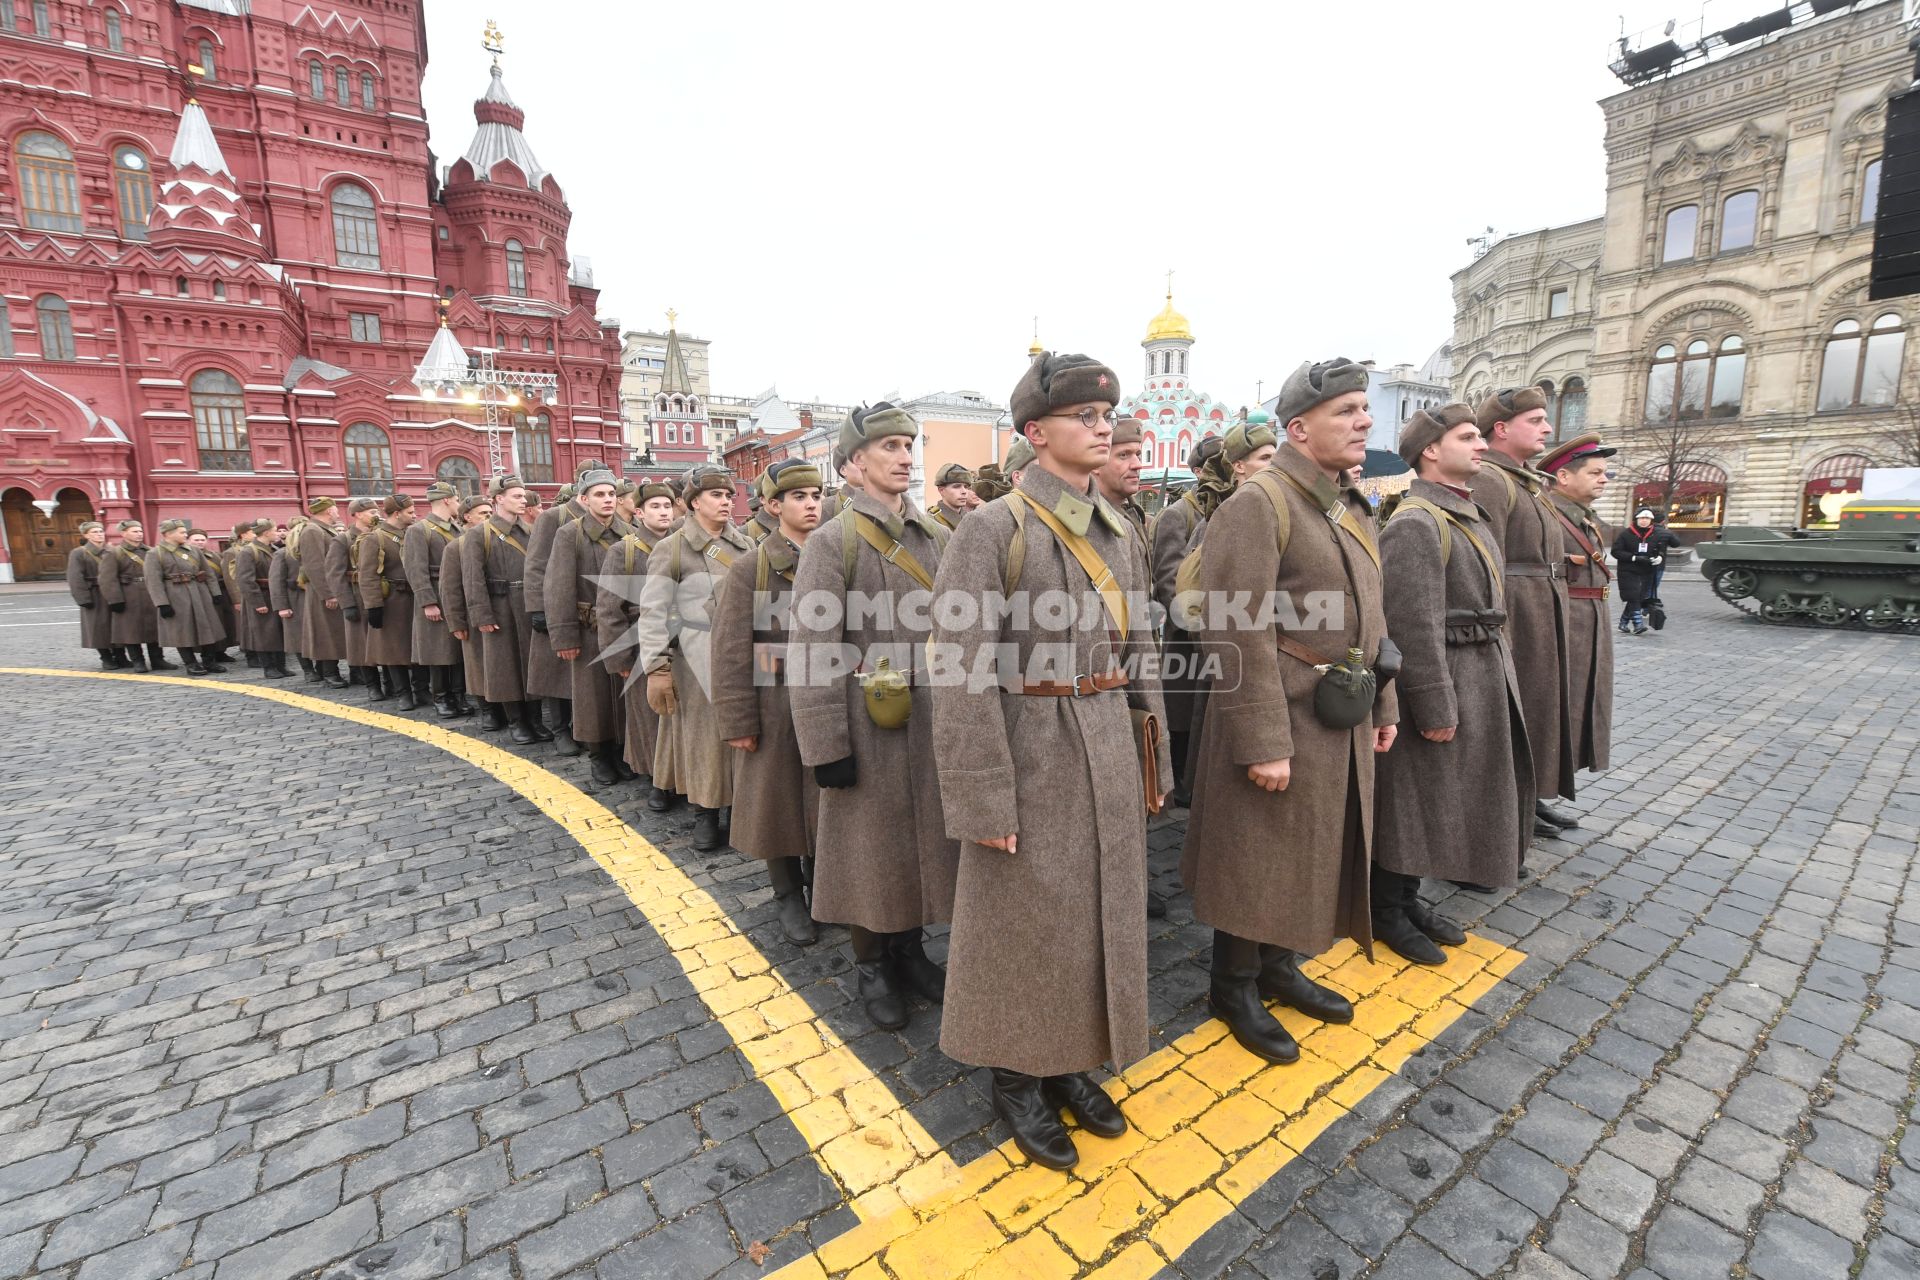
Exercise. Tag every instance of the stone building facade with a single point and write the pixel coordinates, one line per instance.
(1728, 346)
(224, 249)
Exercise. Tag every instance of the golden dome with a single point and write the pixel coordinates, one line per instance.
(1168, 324)
(1036, 348)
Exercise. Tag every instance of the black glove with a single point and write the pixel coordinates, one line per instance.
(539, 620)
(166, 611)
(839, 775)
(353, 612)
(118, 606)
(376, 616)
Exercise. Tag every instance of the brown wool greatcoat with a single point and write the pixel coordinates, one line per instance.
(323, 631)
(578, 551)
(225, 602)
(492, 558)
(1288, 867)
(421, 551)
(284, 592)
(1062, 774)
(775, 801)
(547, 676)
(251, 580)
(83, 583)
(451, 586)
(383, 584)
(946, 515)
(343, 579)
(1532, 549)
(1459, 810)
(1589, 638)
(180, 576)
(683, 575)
(1168, 539)
(123, 580)
(885, 860)
(616, 609)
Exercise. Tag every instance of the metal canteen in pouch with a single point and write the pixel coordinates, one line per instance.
(1344, 696)
(889, 697)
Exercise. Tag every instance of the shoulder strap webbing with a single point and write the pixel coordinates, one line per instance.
(1097, 570)
(1339, 513)
(1017, 548)
(1282, 513)
(1447, 521)
(891, 551)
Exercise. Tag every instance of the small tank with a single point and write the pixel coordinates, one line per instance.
(1865, 572)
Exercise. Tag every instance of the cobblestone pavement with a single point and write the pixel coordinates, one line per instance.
(290, 987)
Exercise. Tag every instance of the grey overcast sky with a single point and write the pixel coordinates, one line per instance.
(851, 199)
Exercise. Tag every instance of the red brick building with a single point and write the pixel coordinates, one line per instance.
(223, 250)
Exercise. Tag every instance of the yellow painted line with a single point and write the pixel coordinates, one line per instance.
(1211, 1123)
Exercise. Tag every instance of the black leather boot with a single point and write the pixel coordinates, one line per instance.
(1182, 797)
(1391, 892)
(523, 732)
(375, 680)
(400, 681)
(157, 659)
(706, 829)
(493, 717)
(1097, 1113)
(254, 660)
(560, 719)
(1558, 817)
(336, 675)
(134, 656)
(277, 667)
(109, 660)
(1234, 996)
(444, 708)
(309, 670)
(210, 659)
(1037, 1131)
(659, 799)
(879, 994)
(922, 976)
(606, 763)
(790, 900)
(1281, 979)
(190, 659)
(422, 678)
(1439, 928)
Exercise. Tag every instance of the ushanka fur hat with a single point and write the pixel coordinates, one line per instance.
(501, 484)
(1505, 406)
(1128, 429)
(440, 489)
(865, 425)
(1020, 455)
(789, 474)
(588, 479)
(990, 483)
(652, 489)
(952, 473)
(1247, 439)
(1426, 427)
(1313, 384)
(701, 479)
(317, 505)
(1055, 381)
(1203, 449)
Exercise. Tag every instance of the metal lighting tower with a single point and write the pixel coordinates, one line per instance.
(447, 370)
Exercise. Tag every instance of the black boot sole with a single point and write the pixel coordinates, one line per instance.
(1282, 1055)
(1040, 1158)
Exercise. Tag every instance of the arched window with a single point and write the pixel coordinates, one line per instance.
(1682, 226)
(114, 41)
(220, 290)
(208, 69)
(343, 86)
(533, 446)
(369, 461)
(220, 421)
(516, 269)
(1573, 407)
(356, 235)
(366, 91)
(133, 183)
(49, 182)
(1858, 370)
(1870, 193)
(1697, 383)
(316, 79)
(1183, 362)
(461, 474)
(1739, 220)
(56, 327)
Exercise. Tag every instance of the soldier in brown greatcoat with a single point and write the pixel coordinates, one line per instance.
(579, 548)
(1514, 496)
(760, 521)
(616, 609)
(199, 540)
(548, 678)
(885, 866)
(288, 597)
(250, 575)
(1277, 850)
(179, 582)
(1171, 534)
(493, 557)
(1453, 799)
(83, 584)
(123, 585)
(954, 484)
(343, 581)
(1579, 469)
(683, 574)
(451, 586)
(1040, 775)
(775, 800)
(436, 654)
(386, 597)
(322, 620)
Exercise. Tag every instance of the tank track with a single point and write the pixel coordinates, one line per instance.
(1840, 618)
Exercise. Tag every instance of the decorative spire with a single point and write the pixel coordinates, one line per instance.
(500, 122)
(1036, 350)
(675, 379)
(198, 204)
(195, 146)
(1169, 323)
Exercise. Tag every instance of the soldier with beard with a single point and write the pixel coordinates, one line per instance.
(775, 799)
